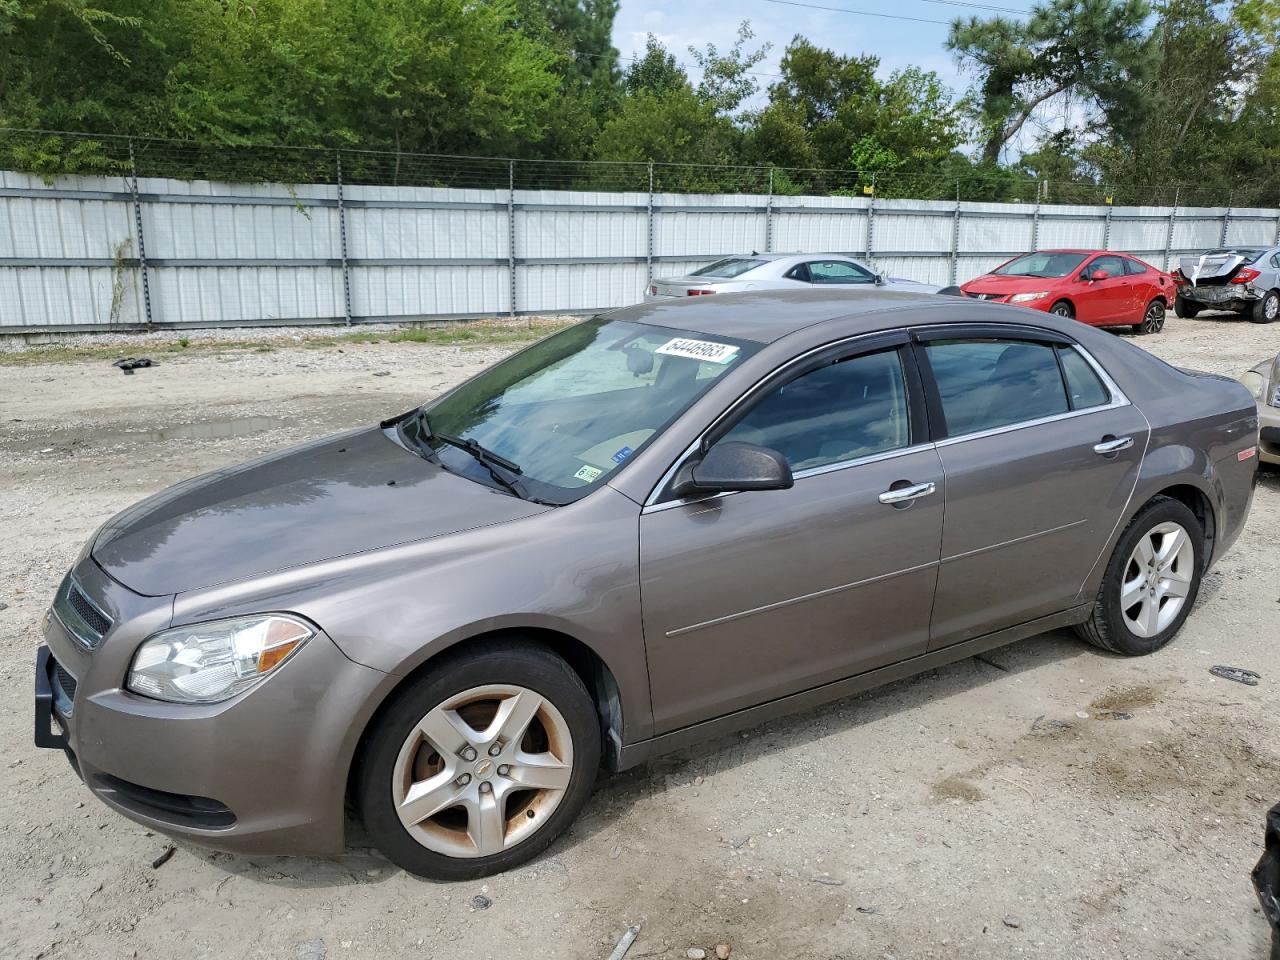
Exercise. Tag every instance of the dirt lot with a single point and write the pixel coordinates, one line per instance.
(1044, 801)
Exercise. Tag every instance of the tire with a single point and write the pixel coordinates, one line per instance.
(1187, 309)
(1267, 309)
(1152, 318)
(1110, 625)
(448, 844)
(1062, 309)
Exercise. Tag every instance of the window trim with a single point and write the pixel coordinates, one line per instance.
(933, 397)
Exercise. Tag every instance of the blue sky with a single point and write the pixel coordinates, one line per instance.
(898, 43)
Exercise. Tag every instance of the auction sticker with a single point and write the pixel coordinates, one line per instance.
(588, 474)
(706, 350)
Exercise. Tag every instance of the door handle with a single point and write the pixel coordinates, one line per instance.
(905, 494)
(1114, 445)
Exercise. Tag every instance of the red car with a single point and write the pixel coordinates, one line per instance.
(1098, 287)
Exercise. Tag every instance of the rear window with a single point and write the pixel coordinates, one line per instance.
(729, 267)
(984, 384)
(1133, 267)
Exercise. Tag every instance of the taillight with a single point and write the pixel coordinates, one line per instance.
(653, 289)
(1246, 275)
(698, 293)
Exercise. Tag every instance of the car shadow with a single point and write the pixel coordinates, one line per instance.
(616, 793)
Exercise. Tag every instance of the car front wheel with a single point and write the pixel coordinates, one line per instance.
(1151, 581)
(480, 763)
(1062, 309)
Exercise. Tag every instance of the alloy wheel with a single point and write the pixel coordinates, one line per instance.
(1271, 308)
(1153, 321)
(482, 771)
(1157, 579)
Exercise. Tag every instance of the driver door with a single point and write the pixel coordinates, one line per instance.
(755, 595)
(1104, 301)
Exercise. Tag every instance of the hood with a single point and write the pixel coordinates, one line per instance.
(1003, 286)
(331, 498)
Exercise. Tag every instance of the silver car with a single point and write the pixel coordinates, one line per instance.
(1244, 280)
(779, 271)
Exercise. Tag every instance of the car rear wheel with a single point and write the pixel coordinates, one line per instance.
(1062, 309)
(479, 764)
(1267, 309)
(1151, 581)
(1185, 308)
(1152, 319)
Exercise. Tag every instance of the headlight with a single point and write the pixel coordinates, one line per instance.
(1024, 297)
(208, 662)
(1253, 380)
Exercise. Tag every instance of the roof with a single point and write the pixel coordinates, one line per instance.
(768, 315)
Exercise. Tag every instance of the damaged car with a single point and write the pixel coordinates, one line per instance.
(1243, 280)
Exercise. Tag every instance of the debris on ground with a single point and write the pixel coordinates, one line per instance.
(1114, 715)
(1040, 723)
(696, 953)
(828, 881)
(1012, 921)
(624, 942)
(309, 950)
(481, 902)
(1238, 674)
(868, 910)
(164, 857)
(723, 950)
(130, 364)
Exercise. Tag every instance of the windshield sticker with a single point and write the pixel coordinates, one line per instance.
(588, 474)
(705, 350)
(622, 454)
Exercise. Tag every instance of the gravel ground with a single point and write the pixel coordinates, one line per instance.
(1044, 801)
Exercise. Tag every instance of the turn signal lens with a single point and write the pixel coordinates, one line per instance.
(698, 293)
(210, 662)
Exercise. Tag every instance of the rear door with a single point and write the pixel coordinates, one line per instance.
(1102, 302)
(755, 595)
(1041, 453)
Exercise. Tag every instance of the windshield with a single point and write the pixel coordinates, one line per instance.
(573, 408)
(729, 267)
(1041, 265)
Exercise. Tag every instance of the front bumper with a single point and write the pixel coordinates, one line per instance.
(263, 772)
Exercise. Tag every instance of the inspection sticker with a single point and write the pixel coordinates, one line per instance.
(588, 474)
(706, 350)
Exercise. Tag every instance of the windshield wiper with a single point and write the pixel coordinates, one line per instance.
(495, 463)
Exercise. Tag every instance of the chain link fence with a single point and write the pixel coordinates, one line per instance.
(50, 154)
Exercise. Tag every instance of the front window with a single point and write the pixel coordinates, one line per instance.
(728, 268)
(573, 408)
(1041, 265)
(842, 411)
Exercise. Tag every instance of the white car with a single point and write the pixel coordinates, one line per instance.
(778, 271)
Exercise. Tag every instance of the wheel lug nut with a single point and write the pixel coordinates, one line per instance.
(495, 750)
(504, 770)
(464, 779)
(468, 754)
(484, 787)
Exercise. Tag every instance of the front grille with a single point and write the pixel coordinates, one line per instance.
(91, 615)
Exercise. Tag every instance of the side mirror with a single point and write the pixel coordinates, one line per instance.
(734, 466)
(1099, 275)
(881, 278)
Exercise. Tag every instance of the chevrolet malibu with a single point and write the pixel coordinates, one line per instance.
(656, 526)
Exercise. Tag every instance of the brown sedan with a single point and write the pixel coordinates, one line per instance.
(656, 526)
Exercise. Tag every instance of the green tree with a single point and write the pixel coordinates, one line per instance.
(1096, 51)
